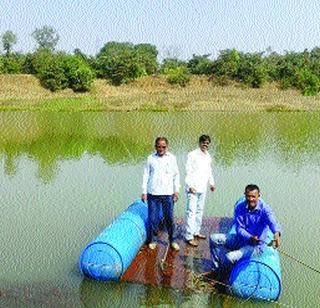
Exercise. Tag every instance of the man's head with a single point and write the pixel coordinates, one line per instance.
(252, 193)
(161, 145)
(204, 141)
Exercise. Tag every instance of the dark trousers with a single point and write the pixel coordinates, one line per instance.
(156, 206)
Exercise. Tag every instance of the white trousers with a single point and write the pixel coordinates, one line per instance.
(194, 213)
(226, 251)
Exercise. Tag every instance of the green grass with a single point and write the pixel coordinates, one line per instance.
(56, 105)
(279, 108)
(72, 104)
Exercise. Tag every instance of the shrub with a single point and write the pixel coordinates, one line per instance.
(252, 70)
(200, 65)
(28, 65)
(287, 67)
(58, 71)
(36, 63)
(118, 62)
(50, 70)
(227, 63)
(79, 74)
(12, 64)
(171, 63)
(146, 57)
(179, 75)
(308, 83)
(53, 77)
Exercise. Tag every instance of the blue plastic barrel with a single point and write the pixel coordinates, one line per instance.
(111, 253)
(257, 277)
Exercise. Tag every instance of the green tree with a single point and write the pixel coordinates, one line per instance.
(308, 82)
(315, 61)
(171, 63)
(95, 66)
(91, 61)
(77, 52)
(78, 73)
(287, 68)
(271, 62)
(8, 40)
(118, 63)
(50, 69)
(200, 65)
(252, 70)
(46, 38)
(58, 71)
(146, 55)
(12, 63)
(36, 62)
(27, 66)
(227, 64)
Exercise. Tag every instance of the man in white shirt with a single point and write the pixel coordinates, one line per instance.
(160, 188)
(198, 176)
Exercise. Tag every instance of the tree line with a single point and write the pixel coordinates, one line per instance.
(122, 62)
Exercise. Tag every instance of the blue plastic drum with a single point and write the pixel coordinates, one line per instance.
(258, 277)
(111, 253)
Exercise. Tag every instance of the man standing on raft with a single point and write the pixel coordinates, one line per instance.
(160, 188)
(252, 220)
(198, 176)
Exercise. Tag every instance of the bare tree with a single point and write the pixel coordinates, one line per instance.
(8, 40)
(46, 38)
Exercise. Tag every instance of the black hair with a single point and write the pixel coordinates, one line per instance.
(204, 138)
(252, 187)
(161, 139)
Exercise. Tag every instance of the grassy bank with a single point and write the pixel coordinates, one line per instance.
(24, 92)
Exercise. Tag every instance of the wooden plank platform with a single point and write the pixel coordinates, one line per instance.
(180, 267)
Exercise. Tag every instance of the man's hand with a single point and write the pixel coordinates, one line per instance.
(212, 188)
(276, 240)
(175, 197)
(192, 190)
(254, 240)
(144, 197)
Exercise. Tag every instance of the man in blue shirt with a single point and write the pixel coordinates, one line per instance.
(252, 220)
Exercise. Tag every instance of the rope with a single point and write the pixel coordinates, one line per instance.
(295, 259)
(299, 261)
(257, 287)
(229, 287)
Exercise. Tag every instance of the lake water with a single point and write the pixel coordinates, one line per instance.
(65, 176)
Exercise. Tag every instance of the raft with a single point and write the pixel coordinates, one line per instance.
(110, 254)
(113, 255)
(257, 277)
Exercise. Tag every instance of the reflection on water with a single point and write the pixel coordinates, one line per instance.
(49, 138)
(110, 294)
(65, 176)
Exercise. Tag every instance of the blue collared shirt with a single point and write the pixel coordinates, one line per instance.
(254, 222)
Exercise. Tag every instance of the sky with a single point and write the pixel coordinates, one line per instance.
(178, 28)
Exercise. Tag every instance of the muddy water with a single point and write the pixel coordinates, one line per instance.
(65, 176)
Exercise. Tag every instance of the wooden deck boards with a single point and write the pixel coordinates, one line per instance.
(179, 266)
